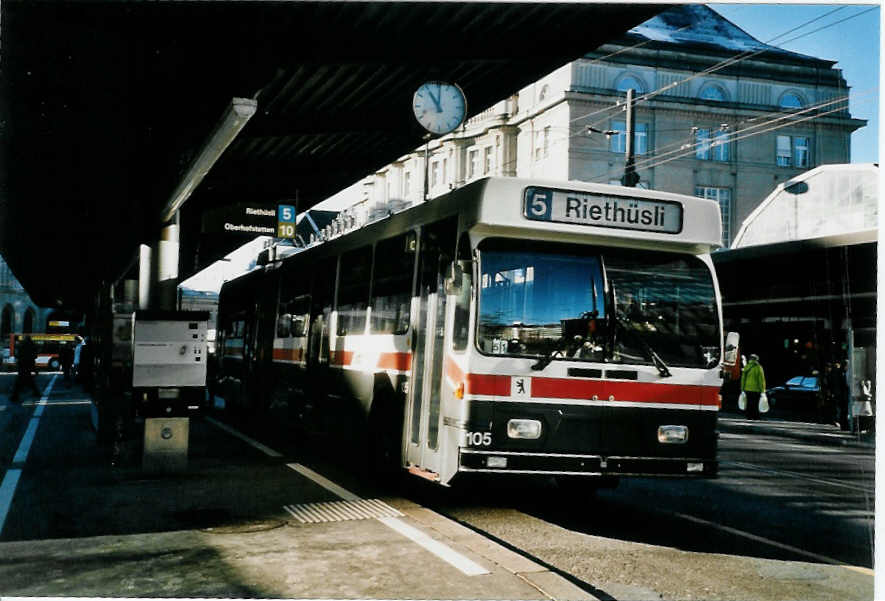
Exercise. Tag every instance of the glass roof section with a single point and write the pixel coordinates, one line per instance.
(831, 200)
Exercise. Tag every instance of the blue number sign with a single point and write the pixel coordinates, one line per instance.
(285, 221)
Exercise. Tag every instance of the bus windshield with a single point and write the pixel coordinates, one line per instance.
(574, 302)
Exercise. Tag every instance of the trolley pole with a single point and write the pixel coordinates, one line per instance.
(631, 178)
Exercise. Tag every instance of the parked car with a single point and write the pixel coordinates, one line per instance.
(798, 393)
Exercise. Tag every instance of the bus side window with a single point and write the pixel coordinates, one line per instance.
(462, 289)
(392, 285)
(323, 291)
(292, 288)
(353, 291)
(300, 312)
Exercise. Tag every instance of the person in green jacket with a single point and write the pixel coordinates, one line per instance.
(753, 384)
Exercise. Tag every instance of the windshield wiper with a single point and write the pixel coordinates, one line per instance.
(545, 360)
(656, 360)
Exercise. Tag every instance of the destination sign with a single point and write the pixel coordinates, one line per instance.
(241, 218)
(603, 210)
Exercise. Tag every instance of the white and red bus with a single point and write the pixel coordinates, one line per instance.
(508, 327)
(47, 346)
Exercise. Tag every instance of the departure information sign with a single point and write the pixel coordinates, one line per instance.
(285, 221)
(588, 208)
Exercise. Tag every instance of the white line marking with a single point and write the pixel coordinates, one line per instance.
(24, 446)
(12, 476)
(324, 482)
(444, 552)
(750, 466)
(774, 543)
(7, 491)
(468, 567)
(264, 449)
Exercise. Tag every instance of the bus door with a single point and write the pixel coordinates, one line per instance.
(423, 418)
(322, 295)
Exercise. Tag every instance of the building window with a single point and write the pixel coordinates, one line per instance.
(791, 100)
(542, 144)
(445, 170)
(723, 197)
(434, 174)
(793, 151)
(6, 322)
(713, 92)
(489, 160)
(472, 163)
(619, 140)
(711, 145)
(407, 184)
(544, 91)
(629, 82)
(801, 152)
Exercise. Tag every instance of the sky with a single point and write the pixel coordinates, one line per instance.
(853, 44)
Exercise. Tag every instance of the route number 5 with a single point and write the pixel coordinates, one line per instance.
(539, 205)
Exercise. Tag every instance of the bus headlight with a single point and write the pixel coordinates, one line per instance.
(524, 428)
(672, 434)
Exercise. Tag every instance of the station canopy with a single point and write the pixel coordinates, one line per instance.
(837, 202)
(105, 105)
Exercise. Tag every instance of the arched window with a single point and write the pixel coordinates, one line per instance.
(28, 324)
(713, 92)
(6, 322)
(629, 81)
(791, 100)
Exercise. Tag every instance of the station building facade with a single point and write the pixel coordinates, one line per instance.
(718, 114)
(18, 313)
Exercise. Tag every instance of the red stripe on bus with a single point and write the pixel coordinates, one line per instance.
(488, 384)
(288, 354)
(340, 357)
(395, 360)
(398, 361)
(638, 392)
(453, 371)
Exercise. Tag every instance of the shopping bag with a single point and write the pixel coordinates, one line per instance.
(763, 403)
(742, 401)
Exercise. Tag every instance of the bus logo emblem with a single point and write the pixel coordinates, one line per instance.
(520, 387)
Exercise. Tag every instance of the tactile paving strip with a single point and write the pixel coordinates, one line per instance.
(340, 511)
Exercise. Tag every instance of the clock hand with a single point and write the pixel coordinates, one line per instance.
(435, 99)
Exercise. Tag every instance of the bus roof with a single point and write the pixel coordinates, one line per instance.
(497, 206)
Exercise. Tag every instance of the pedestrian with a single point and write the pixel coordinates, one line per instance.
(862, 414)
(25, 359)
(66, 356)
(78, 351)
(753, 385)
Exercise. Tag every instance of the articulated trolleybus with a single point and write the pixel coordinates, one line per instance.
(508, 327)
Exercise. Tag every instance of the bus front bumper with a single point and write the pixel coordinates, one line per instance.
(561, 464)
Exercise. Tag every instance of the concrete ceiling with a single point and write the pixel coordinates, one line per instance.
(104, 104)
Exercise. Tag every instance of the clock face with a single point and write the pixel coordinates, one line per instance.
(439, 107)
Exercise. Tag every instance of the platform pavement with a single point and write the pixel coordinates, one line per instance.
(259, 542)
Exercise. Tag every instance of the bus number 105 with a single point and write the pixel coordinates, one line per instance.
(476, 439)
